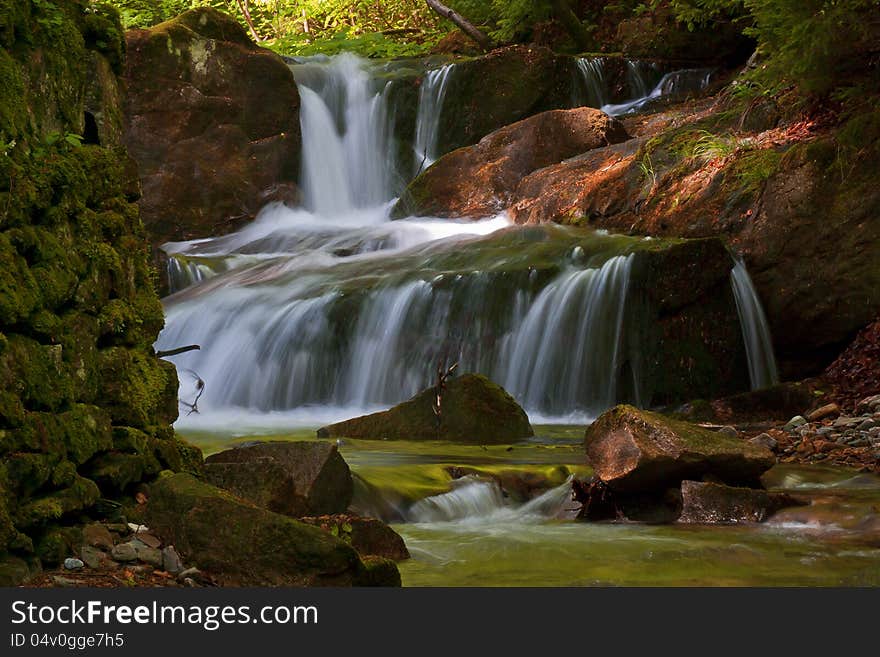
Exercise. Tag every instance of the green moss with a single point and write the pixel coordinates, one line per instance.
(58, 543)
(80, 495)
(134, 386)
(115, 472)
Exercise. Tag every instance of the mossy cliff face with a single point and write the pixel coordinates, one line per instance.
(85, 406)
(213, 123)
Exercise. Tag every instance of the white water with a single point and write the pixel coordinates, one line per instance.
(478, 501)
(675, 83)
(589, 89)
(432, 95)
(308, 316)
(755, 329)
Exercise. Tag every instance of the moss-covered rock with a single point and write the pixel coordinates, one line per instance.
(634, 451)
(472, 410)
(212, 122)
(241, 544)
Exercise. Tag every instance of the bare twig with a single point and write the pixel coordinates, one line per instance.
(200, 387)
(178, 350)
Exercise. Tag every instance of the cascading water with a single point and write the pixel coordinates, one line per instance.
(589, 89)
(335, 308)
(674, 84)
(755, 329)
(432, 95)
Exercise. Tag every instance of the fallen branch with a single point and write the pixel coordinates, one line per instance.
(179, 350)
(475, 34)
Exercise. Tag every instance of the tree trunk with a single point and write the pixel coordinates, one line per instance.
(479, 37)
(564, 14)
(247, 17)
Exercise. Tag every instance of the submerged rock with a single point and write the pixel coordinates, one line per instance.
(293, 478)
(212, 121)
(473, 410)
(243, 545)
(707, 502)
(478, 181)
(634, 451)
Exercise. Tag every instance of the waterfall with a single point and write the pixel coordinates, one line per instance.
(589, 89)
(347, 158)
(432, 95)
(478, 501)
(674, 84)
(756, 331)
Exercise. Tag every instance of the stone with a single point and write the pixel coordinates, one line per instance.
(294, 478)
(867, 424)
(369, 536)
(171, 560)
(846, 422)
(794, 423)
(124, 552)
(95, 558)
(705, 502)
(478, 181)
(869, 404)
(473, 410)
(729, 431)
(97, 535)
(764, 440)
(823, 412)
(149, 539)
(64, 582)
(189, 573)
(633, 451)
(207, 110)
(149, 555)
(240, 544)
(73, 564)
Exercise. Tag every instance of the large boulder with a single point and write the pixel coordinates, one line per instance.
(479, 181)
(293, 478)
(369, 536)
(244, 545)
(473, 410)
(632, 451)
(212, 121)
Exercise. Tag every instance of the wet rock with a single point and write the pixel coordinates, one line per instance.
(369, 536)
(241, 544)
(826, 411)
(73, 564)
(97, 535)
(705, 502)
(729, 431)
(794, 423)
(765, 441)
(294, 478)
(124, 552)
(478, 181)
(171, 560)
(473, 410)
(207, 110)
(637, 451)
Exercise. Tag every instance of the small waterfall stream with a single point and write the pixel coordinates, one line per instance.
(755, 329)
(432, 95)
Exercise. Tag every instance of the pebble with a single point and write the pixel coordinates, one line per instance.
(867, 424)
(828, 410)
(137, 528)
(795, 422)
(149, 555)
(729, 431)
(95, 558)
(64, 581)
(97, 535)
(824, 431)
(189, 573)
(846, 422)
(171, 560)
(764, 440)
(124, 552)
(73, 564)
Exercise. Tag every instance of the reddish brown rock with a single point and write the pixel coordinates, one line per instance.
(294, 478)
(705, 502)
(212, 121)
(633, 451)
(479, 181)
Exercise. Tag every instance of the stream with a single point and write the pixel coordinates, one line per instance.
(313, 315)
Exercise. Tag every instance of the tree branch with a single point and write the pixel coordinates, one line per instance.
(479, 37)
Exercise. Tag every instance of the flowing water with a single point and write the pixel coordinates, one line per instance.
(756, 330)
(311, 315)
(432, 96)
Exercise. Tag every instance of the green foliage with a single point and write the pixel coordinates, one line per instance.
(369, 44)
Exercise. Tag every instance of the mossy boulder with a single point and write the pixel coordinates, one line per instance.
(369, 536)
(212, 121)
(294, 478)
(243, 545)
(478, 181)
(500, 88)
(472, 410)
(634, 451)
